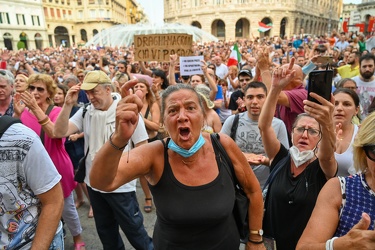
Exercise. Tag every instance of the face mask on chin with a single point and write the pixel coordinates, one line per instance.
(299, 157)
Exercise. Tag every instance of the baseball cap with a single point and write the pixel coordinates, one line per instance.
(204, 92)
(245, 71)
(93, 78)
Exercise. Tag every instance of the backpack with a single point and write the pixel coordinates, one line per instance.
(6, 122)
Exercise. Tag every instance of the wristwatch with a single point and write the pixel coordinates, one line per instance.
(258, 232)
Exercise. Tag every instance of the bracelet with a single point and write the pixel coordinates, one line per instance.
(329, 243)
(45, 123)
(43, 120)
(255, 242)
(114, 146)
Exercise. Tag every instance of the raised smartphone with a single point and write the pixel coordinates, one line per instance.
(325, 59)
(320, 82)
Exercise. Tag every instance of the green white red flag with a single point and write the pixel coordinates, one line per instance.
(235, 56)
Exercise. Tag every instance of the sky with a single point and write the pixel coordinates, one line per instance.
(352, 1)
(155, 9)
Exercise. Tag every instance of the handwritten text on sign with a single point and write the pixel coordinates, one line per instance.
(191, 65)
(158, 47)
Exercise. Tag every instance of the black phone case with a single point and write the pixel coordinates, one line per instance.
(320, 82)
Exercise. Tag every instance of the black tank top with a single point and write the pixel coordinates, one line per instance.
(198, 217)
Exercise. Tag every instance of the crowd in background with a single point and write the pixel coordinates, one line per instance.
(33, 81)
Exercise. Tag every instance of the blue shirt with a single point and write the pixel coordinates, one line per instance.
(219, 96)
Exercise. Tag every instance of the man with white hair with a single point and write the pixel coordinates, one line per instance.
(221, 69)
(118, 208)
(6, 89)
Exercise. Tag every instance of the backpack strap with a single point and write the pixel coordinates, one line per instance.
(85, 109)
(7, 121)
(233, 130)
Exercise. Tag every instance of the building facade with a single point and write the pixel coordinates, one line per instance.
(359, 17)
(22, 25)
(74, 22)
(367, 15)
(234, 19)
(37, 24)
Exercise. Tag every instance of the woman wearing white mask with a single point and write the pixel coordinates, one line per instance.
(300, 171)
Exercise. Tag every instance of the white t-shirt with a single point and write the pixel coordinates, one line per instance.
(249, 140)
(366, 93)
(84, 125)
(221, 70)
(26, 171)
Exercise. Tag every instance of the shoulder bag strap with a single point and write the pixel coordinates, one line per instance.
(48, 111)
(216, 143)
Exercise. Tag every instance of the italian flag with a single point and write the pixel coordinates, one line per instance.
(264, 27)
(235, 56)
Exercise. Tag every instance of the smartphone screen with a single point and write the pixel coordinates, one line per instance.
(320, 82)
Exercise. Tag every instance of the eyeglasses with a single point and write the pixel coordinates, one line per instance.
(39, 89)
(352, 88)
(370, 151)
(80, 76)
(310, 131)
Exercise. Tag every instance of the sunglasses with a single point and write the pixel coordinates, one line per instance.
(39, 89)
(81, 76)
(370, 151)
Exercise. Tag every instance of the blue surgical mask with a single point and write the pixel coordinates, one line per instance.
(187, 153)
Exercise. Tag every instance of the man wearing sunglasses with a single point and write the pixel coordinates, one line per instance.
(6, 89)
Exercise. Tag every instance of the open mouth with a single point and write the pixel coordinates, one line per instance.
(184, 132)
(302, 143)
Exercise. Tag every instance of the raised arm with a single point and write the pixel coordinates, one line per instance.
(281, 78)
(264, 70)
(144, 70)
(63, 127)
(211, 81)
(327, 146)
(173, 63)
(109, 175)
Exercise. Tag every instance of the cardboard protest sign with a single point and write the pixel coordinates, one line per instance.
(191, 65)
(158, 47)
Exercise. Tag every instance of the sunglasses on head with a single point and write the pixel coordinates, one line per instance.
(39, 89)
(370, 151)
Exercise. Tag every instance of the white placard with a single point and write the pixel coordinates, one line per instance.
(191, 65)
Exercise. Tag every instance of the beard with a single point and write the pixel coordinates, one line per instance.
(367, 75)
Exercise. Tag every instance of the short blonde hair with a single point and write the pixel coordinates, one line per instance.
(234, 68)
(48, 81)
(365, 136)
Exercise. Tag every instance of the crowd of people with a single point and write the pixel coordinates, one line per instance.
(312, 160)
